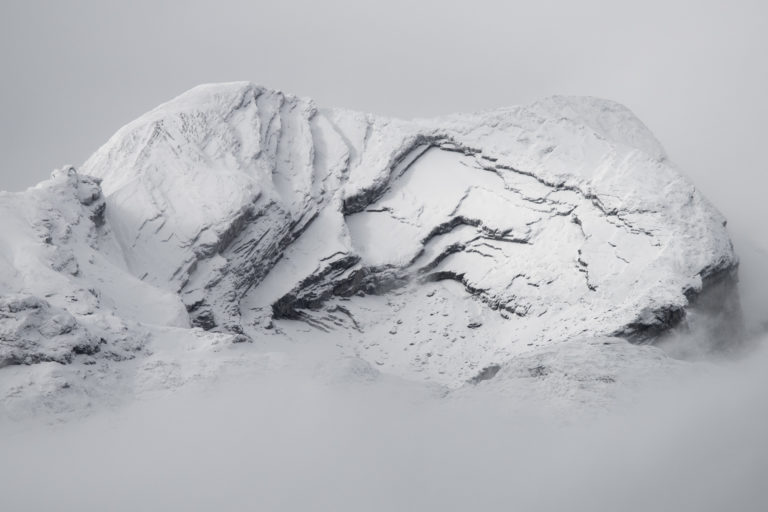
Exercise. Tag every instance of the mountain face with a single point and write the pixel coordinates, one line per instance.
(444, 250)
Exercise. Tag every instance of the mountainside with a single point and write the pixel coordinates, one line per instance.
(444, 250)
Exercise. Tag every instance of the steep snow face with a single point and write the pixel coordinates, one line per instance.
(436, 249)
(206, 191)
(564, 218)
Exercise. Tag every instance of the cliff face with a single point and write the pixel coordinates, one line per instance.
(434, 249)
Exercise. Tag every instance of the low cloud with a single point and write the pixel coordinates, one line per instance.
(288, 443)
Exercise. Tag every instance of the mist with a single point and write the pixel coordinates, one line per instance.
(284, 442)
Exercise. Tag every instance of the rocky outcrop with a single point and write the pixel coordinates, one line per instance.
(31, 331)
(65, 293)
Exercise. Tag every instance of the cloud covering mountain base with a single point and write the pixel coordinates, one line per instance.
(282, 442)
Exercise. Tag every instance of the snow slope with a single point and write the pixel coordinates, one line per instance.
(440, 250)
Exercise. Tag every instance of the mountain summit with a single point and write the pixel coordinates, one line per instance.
(445, 250)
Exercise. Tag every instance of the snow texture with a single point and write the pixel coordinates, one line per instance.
(449, 250)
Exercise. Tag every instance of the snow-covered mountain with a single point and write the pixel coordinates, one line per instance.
(225, 225)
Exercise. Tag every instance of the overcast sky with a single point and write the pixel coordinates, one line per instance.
(695, 71)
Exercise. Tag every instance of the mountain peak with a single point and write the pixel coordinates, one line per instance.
(433, 249)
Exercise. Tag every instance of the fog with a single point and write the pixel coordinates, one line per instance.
(695, 72)
(281, 443)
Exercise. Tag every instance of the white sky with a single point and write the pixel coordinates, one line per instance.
(695, 71)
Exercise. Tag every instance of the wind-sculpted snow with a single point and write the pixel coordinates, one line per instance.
(434, 249)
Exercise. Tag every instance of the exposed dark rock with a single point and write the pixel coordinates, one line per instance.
(370, 281)
(716, 304)
(32, 331)
(538, 371)
(241, 338)
(201, 315)
(647, 327)
(486, 373)
(86, 349)
(313, 291)
(417, 146)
